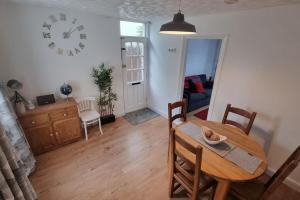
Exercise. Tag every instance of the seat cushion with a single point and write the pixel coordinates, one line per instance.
(89, 115)
(198, 96)
(251, 190)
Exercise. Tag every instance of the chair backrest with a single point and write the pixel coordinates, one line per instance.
(86, 103)
(241, 112)
(181, 115)
(284, 171)
(186, 180)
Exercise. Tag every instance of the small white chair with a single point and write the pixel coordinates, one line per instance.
(88, 113)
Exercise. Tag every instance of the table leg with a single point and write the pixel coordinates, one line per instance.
(222, 190)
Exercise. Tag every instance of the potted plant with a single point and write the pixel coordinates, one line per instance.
(102, 76)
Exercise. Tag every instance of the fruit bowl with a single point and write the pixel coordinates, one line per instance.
(212, 137)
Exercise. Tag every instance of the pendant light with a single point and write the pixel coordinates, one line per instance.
(178, 26)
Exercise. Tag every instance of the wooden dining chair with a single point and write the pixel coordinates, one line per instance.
(182, 115)
(171, 118)
(241, 112)
(191, 181)
(259, 190)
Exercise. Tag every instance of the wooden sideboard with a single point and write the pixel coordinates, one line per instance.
(51, 126)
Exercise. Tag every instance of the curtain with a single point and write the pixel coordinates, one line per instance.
(14, 183)
(14, 132)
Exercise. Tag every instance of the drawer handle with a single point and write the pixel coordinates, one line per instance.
(51, 135)
(65, 114)
(56, 133)
(33, 122)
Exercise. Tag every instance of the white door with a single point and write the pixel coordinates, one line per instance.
(134, 73)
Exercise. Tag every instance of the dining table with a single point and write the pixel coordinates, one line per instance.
(222, 170)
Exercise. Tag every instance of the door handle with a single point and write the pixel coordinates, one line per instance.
(136, 83)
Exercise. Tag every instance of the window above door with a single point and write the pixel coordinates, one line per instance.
(132, 29)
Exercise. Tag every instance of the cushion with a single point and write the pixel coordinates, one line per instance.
(208, 91)
(89, 115)
(192, 86)
(199, 87)
(198, 96)
(186, 84)
(203, 78)
(195, 79)
(191, 80)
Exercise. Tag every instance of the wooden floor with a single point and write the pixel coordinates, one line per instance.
(127, 162)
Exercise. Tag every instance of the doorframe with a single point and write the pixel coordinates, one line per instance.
(146, 64)
(217, 78)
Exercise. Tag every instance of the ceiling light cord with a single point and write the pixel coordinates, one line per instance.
(179, 10)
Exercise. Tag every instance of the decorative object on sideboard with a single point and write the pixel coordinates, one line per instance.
(18, 100)
(102, 76)
(45, 99)
(30, 105)
(66, 89)
(72, 32)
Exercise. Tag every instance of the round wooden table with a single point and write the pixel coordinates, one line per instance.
(221, 169)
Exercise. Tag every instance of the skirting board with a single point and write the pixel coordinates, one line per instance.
(288, 181)
(120, 115)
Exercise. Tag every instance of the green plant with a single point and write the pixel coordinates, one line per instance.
(102, 76)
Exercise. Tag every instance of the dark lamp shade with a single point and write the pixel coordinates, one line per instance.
(178, 26)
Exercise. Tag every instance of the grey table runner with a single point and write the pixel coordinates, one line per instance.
(196, 132)
(243, 159)
(226, 150)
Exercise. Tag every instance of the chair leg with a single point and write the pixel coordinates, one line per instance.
(85, 131)
(212, 193)
(171, 187)
(168, 156)
(100, 127)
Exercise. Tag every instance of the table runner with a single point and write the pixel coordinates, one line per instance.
(196, 132)
(228, 151)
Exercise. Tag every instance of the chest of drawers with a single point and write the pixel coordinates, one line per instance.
(51, 126)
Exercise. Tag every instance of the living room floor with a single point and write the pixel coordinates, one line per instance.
(127, 162)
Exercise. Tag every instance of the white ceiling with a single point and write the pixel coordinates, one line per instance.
(147, 10)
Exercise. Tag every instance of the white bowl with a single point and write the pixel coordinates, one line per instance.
(211, 142)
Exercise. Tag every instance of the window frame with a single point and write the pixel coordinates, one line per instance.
(146, 27)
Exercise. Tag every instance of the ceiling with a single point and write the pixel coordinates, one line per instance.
(147, 10)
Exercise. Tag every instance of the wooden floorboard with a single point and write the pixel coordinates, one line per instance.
(127, 162)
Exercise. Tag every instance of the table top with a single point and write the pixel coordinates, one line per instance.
(218, 167)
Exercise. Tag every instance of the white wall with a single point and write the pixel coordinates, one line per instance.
(202, 56)
(24, 54)
(260, 72)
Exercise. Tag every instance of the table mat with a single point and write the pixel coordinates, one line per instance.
(228, 151)
(195, 132)
(243, 159)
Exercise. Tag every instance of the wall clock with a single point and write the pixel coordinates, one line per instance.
(64, 35)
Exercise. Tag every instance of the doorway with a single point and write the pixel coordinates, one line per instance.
(134, 72)
(201, 61)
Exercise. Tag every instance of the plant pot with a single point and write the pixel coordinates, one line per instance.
(108, 119)
(20, 108)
